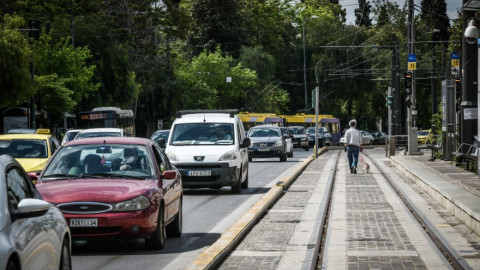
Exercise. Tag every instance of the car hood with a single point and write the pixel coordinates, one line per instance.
(264, 139)
(93, 190)
(32, 164)
(211, 153)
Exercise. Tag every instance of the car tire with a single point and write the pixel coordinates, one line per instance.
(11, 266)
(283, 157)
(174, 229)
(249, 159)
(66, 256)
(157, 239)
(237, 187)
(245, 183)
(307, 148)
(291, 153)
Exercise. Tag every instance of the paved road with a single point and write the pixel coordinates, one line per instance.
(207, 214)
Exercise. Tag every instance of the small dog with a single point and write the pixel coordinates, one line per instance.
(366, 167)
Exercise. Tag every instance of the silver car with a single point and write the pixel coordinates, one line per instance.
(267, 141)
(33, 232)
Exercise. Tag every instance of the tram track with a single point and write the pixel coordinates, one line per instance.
(443, 246)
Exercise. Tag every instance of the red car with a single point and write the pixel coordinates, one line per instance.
(115, 187)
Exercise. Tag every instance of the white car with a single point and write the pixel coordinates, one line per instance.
(100, 132)
(70, 135)
(33, 233)
(209, 148)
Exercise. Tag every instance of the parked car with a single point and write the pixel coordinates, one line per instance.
(300, 138)
(101, 132)
(161, 134)
(379, 137)
(34, 233)
(32, 151)
(115, 187)
(209, 148)
(367, 138)
(289, 141)
(324, 137)
(424, 136)
(267, 141)
(70, 135)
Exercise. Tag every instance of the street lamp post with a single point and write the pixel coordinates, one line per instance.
(305, 61)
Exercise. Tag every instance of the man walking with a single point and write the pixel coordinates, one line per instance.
(354, 142)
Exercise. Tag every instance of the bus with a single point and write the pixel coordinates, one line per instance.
(253, 119)
(108, 117)
(305, 120)
(333, 126)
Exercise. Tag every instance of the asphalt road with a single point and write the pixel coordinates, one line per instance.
(206, 215)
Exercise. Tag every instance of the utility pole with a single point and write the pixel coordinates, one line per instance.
(304, 65)
(71, 23)
(469, 82)
(434, 89)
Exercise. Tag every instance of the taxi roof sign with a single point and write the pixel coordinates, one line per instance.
(43, 131)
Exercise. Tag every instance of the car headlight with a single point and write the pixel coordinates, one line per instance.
(135, 204)
(230, 155)
(171, 156)
(279, 143)
(303, 139)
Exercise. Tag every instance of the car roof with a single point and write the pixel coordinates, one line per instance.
(91, 130)
(206, 117)
(265, 126)
(22, 131)
(113, 140)
(25, 136)
(73, 130)
(296, 127)
(162, 130)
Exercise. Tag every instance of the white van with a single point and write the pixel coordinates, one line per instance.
(209, 148)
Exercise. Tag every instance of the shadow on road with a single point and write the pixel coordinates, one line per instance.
(137, 246)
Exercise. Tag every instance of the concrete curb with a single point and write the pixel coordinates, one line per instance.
(461, 212)
(212, 256)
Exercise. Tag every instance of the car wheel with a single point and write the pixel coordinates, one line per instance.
(307, 148)
(66, 259)
(11, 266)
(174, 229)
(371, 142)
(245, 183)
(157, 239)
(237, 187)
(291, 153)
(283, 157)
(249, 159)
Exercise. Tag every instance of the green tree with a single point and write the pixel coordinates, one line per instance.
(63, 77)
(208, 80)
(362, 14)
(15, 57)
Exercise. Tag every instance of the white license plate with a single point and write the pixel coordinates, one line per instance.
(83, 222)
(199, 173)
(263, 149)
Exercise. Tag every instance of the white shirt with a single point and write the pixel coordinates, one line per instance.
(354, 137)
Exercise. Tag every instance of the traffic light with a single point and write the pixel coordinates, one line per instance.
(389, 100)
(408, 83)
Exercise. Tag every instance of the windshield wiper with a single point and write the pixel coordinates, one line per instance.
(127, 176)
(60, 175)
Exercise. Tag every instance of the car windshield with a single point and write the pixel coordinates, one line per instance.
(70, 136)
(159, 135)
(321, 130)
(284, 131)
(296, 130)
(97, 134)
(24, 148)
(264, 132)
(100, 161)
(203, 134)
(422, 133)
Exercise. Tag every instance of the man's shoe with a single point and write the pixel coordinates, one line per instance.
(351, 170)
(355, 170)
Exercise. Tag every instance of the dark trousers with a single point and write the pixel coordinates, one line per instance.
(352, 154)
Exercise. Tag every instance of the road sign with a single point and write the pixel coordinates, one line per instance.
(412, 62)
(455, 55)
(455, 60)
(412, 65)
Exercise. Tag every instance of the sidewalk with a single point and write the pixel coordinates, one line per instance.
(456, 189)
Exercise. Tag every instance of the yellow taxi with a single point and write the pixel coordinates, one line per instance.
(32, 151)
(424, 136)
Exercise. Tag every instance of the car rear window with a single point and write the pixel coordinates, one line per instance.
(24, 148)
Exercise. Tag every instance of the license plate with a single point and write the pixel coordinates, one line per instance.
(83, 222)
(199, 173)
(263, 149)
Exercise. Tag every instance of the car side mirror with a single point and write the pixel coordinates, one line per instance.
(28, 208)
(161, 142)
(169, 175)
(246, 143)
(286, 137)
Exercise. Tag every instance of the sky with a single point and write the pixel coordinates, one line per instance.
(351, 5)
